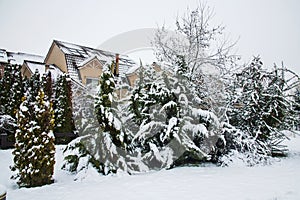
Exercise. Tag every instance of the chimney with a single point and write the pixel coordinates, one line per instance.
(117, 65)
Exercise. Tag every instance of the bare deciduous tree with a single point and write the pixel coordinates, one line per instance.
(196, 42)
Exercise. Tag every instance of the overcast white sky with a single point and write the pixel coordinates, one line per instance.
(269, 28)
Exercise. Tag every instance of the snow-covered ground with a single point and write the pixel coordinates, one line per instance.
(279, 181)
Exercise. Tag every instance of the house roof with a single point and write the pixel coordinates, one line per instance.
(77, 55)
(3, 56)
(90, 59)
(18, 57)
(55, 71)
(41, 68)
(35, 66)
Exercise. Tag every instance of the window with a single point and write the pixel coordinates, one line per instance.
(92, 82)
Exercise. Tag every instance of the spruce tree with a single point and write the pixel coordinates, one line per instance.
(105, 112)
(176, 131)
(139, 103)
(34, 85)
(11, 93)
(47, 85)
(64, 122)
(11, 90)
(34, 150)
(260, 106)
(105, 147)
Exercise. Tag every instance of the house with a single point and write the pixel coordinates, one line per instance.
(30, 67)
(85, 64)
(17, 58)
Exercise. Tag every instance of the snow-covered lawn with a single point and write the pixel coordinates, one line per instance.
(279, 181)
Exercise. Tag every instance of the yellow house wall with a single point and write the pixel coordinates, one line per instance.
(57, 57)
(132, 78)
(25, 72)
(92, 69)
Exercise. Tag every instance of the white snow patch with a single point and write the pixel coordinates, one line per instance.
(280, 181)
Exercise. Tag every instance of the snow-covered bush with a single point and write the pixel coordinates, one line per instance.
(8, 126)
(34, 148)
(237, 147)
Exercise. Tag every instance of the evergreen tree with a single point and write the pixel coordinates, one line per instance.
(11, 93)
(175, 132)
(34, 85)
(105, 112)
(105, 147)
(47, 85)
(64, 122)
(260, 107)
(139, 101)
(34, 150)
(11, 90)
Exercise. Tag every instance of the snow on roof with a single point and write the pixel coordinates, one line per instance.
(19, 58)
(55, 72)
(78, 55)
(91, 58)
(86, 52)
(35, 66)
(42, 69)
(82, 51)
(132, 69)
(3, 56)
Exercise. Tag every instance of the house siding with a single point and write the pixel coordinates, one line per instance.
(25, 71)
(132, 78)
(92, 69)
(57, 57)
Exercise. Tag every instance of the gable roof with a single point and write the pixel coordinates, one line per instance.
(3, 56)
(90, 59)
(18, 57)
(76, 55)
(35, 66)
(42, 68)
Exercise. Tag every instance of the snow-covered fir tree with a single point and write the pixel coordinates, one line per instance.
(83, 101)
(47, 85)
(106, 113)
(34, 149)
(34, 85)
(64, 122)
(11, 93)
(105, 147)
(138, 104)
(11, 90)
(260, 106)
(175, 131)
